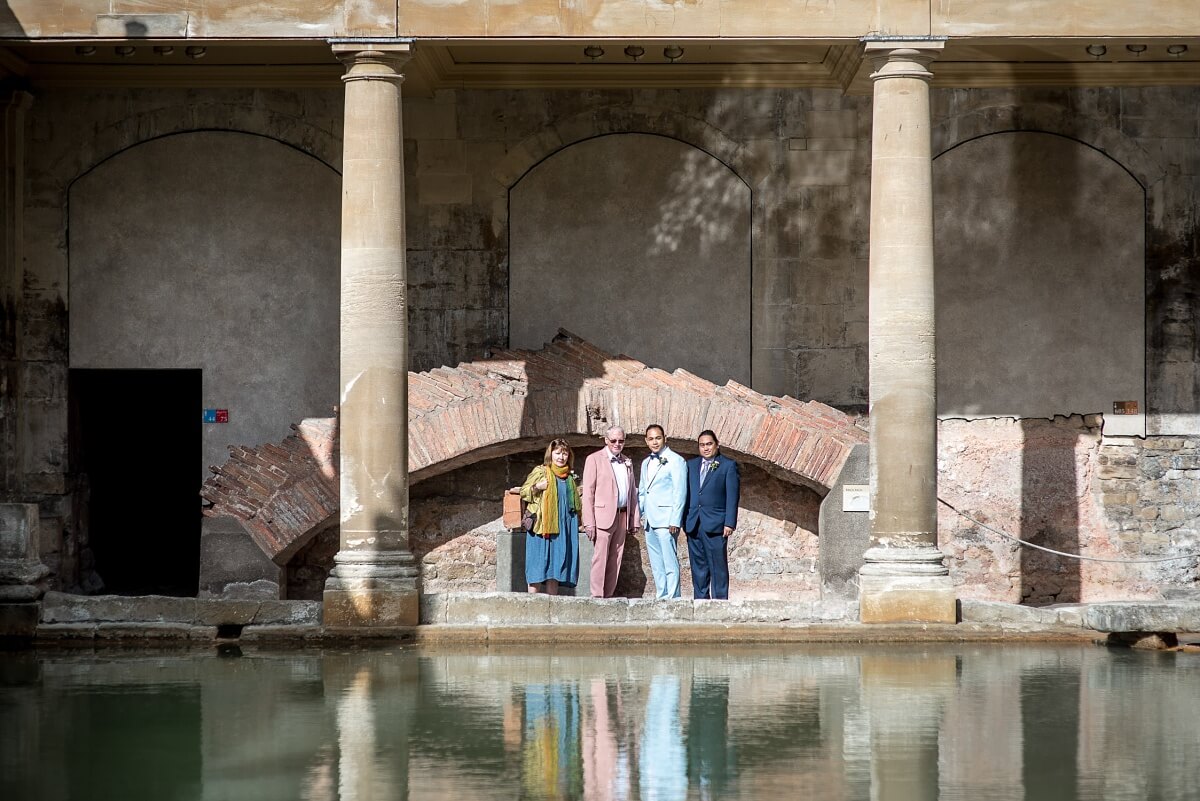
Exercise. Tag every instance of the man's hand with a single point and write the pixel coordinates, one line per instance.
(728, 531)
(673, 529)
(590, 533)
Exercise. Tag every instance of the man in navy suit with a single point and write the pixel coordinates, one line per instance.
(714, 488)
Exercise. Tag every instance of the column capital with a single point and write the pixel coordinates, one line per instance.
(902, 58)
(372, 60)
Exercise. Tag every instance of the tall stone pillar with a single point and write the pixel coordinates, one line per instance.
(12, 184)
(903, 578)
(374, 580)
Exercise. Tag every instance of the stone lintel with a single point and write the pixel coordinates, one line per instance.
(906, 599)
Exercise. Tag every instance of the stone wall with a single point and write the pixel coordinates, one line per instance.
(455, 519)
(805, 156)
(1061, 484)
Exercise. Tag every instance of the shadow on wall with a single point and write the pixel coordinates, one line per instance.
(9, 24)
(641, 244)
(1040, 317)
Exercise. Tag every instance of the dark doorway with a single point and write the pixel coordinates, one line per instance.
(135, 447)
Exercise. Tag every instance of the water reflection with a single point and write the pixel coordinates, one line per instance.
(974, 723)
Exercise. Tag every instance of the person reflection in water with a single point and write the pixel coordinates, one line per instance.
(662, 762)
(606, 768)
(550, 766)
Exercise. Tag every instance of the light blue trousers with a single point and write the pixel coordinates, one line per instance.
(664, 562)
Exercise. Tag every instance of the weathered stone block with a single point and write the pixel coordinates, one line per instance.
(66, 631)
(60, 607)
(141, 26)
(370, 608)
(1143, 616)
(433, 608)
(594, 610)
(291, 613)
(221, 612)
(750, 611)
(906, 599)
(647, 609)
(19, 620)
(139, 631)
(18, 532)
(496, 608)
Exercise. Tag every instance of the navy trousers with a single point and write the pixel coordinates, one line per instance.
(710, 565)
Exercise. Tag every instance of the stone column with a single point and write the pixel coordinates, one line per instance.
(374, 581)
(12, 164)
(903, 579)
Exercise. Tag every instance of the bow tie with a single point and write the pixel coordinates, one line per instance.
(659, 459)
(617, 460)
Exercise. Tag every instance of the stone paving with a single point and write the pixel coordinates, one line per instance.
(516, 617)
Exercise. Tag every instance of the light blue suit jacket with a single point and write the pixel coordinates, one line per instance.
(662, 495)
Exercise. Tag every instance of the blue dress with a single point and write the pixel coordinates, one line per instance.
(556, 558)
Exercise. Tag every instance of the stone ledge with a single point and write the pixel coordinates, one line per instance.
(1156, 616)
(997, 612)
(59, 607)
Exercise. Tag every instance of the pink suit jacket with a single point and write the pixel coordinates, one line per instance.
(599, 491)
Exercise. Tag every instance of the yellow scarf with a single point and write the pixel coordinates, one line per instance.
(547, 525)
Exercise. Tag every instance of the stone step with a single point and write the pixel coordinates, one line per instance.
(61, 607)
(525, 609)
(1148, 616)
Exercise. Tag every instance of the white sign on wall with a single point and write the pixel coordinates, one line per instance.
(856, 498)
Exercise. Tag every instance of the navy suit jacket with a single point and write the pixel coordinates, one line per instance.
(714, 506)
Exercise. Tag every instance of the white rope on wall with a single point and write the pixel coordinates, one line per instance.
(966, 516)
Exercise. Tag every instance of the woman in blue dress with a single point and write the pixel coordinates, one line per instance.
(551, 492)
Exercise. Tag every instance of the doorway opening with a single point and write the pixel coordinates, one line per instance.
(135, 449)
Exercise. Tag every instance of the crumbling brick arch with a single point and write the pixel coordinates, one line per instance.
(512, 402)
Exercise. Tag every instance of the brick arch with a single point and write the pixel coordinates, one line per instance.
(514, 402)
(622, 120)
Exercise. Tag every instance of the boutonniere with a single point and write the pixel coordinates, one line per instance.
(659, 459)
(714, 464)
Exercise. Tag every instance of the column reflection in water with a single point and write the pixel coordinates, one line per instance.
(376, 703)
(980, 749)
(966, 723)
(906, 693)
(708, 747)
(662, 759)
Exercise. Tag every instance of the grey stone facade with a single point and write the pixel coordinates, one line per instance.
(804, 154)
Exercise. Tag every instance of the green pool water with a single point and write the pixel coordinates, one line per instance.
(846, 722)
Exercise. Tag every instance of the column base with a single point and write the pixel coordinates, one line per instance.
(375, 604)
(906, 585)
(907, 599)
(372, 589)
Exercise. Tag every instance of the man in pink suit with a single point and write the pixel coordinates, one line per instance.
(610, 509)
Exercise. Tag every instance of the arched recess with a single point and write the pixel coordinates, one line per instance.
(514, 402)
(642, 244)
(1040, 280)
(215, 250)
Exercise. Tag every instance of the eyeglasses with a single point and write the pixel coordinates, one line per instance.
(617, 441)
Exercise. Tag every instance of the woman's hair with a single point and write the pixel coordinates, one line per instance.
(555, 445)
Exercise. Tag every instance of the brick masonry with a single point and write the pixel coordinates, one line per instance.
(283, 495)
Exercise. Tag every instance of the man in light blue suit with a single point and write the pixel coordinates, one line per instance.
(662, 496)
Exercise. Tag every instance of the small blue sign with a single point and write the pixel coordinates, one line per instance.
(210, 415)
